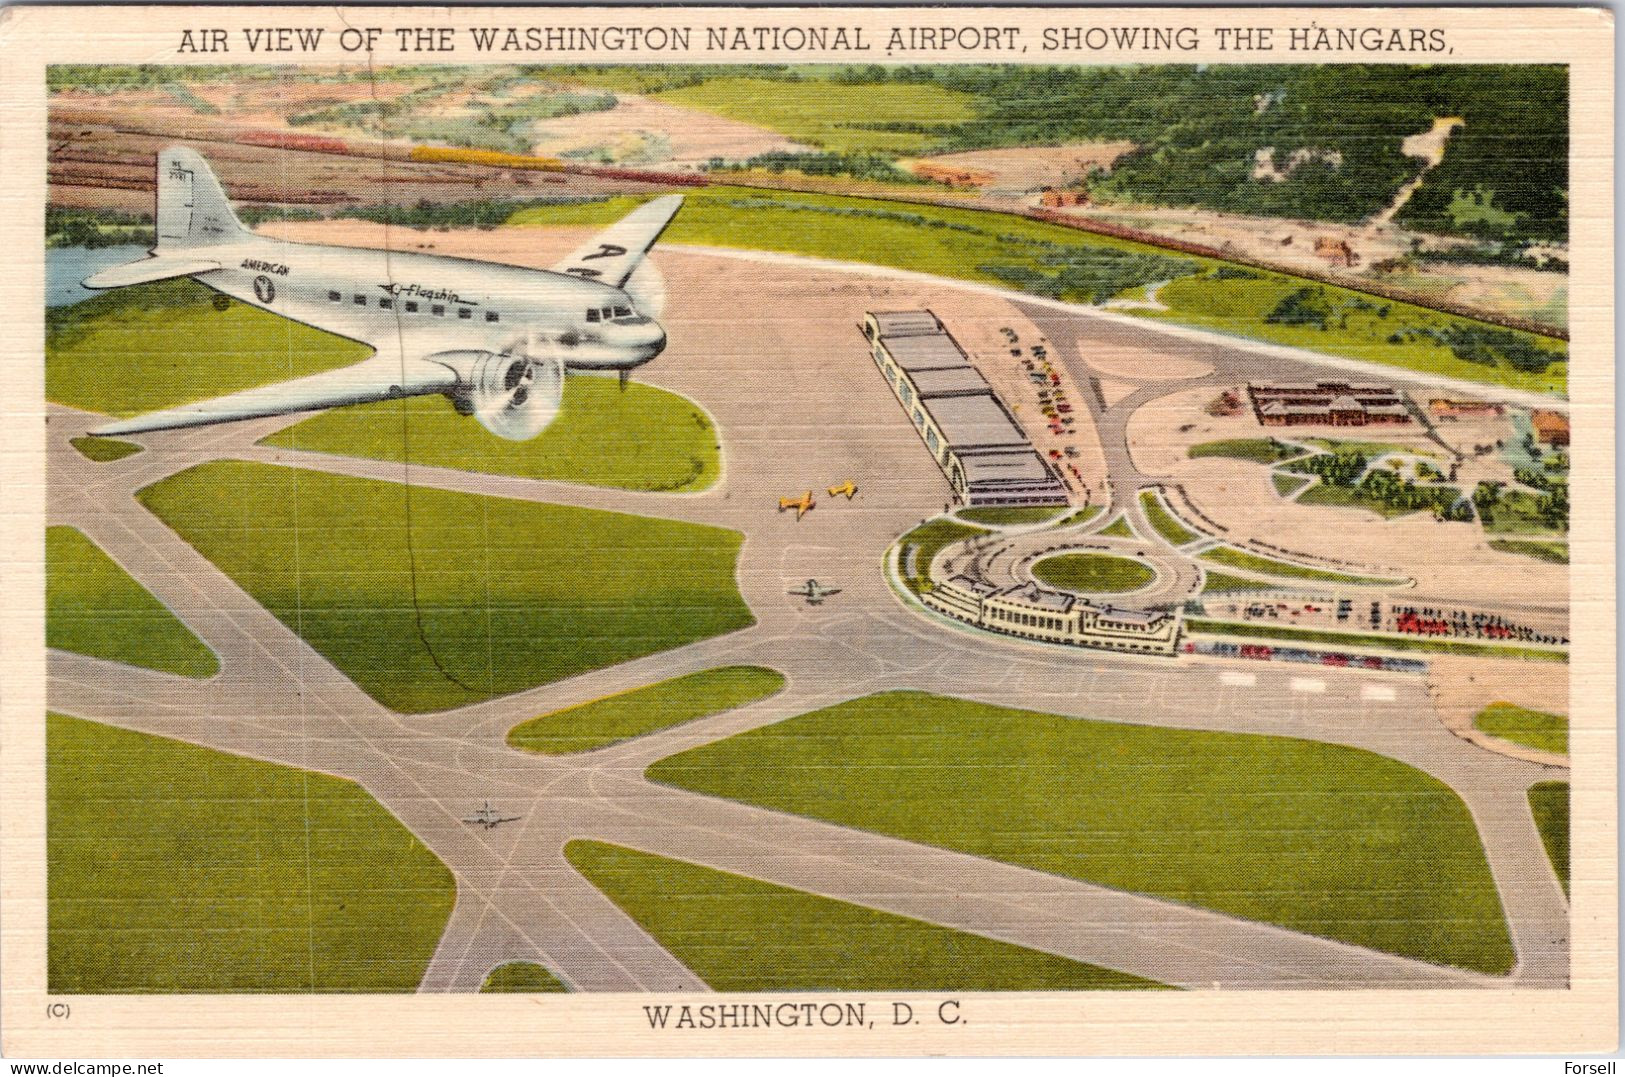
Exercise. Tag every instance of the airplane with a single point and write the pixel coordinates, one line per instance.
(489, 819)
(803, 504)
(814, 592)
(849, 488)
(494, 339)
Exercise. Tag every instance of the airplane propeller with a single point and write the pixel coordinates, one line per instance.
(520, 390)
(647, 289)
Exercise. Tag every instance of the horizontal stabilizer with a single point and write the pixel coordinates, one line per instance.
(150, 269)
(370, 380)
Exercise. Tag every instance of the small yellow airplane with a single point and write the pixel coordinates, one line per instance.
(803, 504)
(849, 488)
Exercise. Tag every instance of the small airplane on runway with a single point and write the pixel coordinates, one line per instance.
(814, 592)
(803, 504)
(849, 488)
(488, 818)
(494, 339)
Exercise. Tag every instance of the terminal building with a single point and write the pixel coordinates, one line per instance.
(970, 433)
(1328, 403)
(1033, 612)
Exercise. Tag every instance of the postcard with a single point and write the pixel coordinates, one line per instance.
(808, 531)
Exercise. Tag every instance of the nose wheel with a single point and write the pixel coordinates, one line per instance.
(626, 375)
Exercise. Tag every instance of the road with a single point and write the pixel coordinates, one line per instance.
(279, 700)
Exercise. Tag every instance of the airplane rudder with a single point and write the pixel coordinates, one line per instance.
(193, 209)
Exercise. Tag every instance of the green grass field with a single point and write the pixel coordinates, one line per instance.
(1257, 450)
(1369, 449)
(1119, 528)
(174, 868)
(1315, 837)
(625, 715)
(1356, 497)
(94, 607)
(1218, 583)
(640, 439)
(1555, 553)
(928, 540)
(1360, 639)
(1251, 562)
(1010, 515)
(1040, 258)
(521, 977)
(741, 934)
(1093, 573)
(1517, 512)
(482, 596)
(1165, 523)
(1549, 802)
(154, 346)
(830, 115)
(1287, 485)
(1081, 516)
(1370, 329)
(1533, 729)
(104, 450)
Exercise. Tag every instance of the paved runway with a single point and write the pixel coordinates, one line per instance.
(278, 699)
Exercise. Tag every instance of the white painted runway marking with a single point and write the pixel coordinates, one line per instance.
(1238, 680)
(1308, 684)
(1381, 692)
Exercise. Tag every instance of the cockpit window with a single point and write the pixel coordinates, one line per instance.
(623, 312)
(608, 313)
(592, 315)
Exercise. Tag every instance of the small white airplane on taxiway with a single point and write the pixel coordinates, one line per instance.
(495, 339)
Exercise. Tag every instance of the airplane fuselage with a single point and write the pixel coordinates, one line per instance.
(426, 303)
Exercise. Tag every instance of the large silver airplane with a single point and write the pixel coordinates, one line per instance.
(496, 340)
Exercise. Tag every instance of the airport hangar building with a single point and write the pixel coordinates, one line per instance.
(980, 447)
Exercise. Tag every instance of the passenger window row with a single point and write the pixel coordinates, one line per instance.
(411, 306)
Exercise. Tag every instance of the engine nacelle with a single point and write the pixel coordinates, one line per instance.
(514, 396)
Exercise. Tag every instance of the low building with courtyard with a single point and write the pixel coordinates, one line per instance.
(1328, 403)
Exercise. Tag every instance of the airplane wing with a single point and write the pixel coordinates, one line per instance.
(378, 378)
(614, 253)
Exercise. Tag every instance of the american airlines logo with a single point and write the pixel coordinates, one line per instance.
(265, 267)
(417, 291)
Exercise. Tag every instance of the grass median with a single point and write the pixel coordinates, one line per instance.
(179, 869)
(1549, 803)
(639, 438)
(612, 719)
(430, 599)
(1533, 729)
(1315, 837)
(742, 934)
(93, 607)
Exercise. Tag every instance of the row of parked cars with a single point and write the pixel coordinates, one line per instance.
(1052, 400)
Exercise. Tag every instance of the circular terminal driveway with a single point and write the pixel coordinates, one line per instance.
(1093, 573)
(1159, 577)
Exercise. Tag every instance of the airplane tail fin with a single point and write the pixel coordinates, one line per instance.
(612, 255)
(193, 210)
